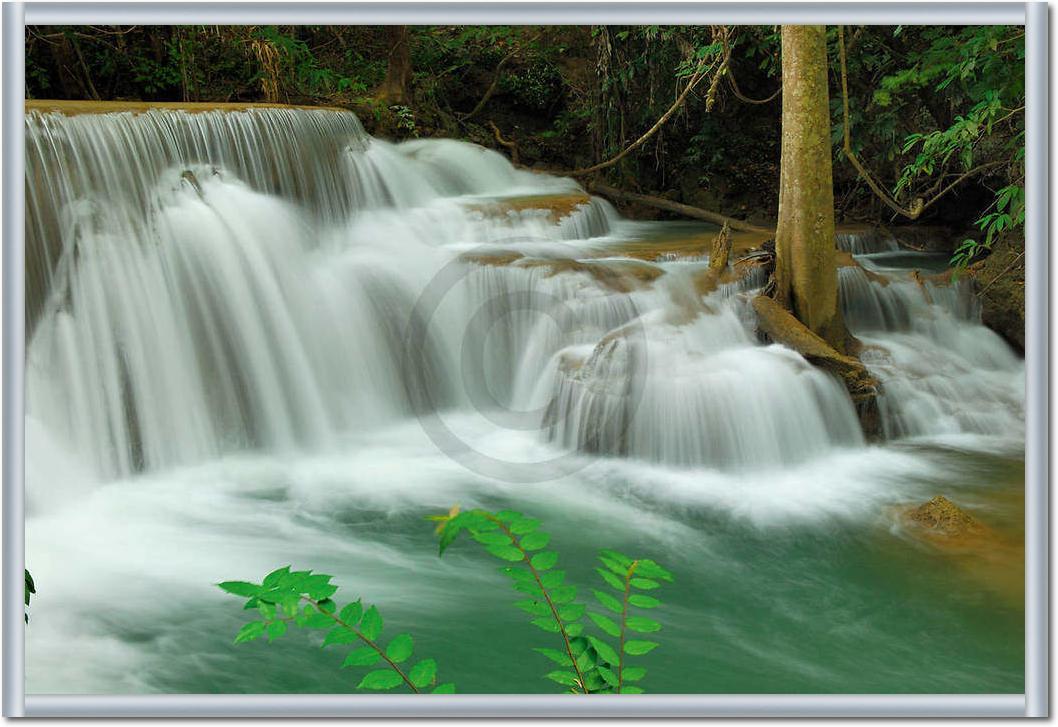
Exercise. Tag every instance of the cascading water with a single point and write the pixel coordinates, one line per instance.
(219, 379)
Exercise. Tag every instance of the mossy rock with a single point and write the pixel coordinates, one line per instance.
(942, 516)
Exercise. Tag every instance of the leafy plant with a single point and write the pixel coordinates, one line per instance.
(1006, 212)
(30, 588)
(588, 663)
(304, 599)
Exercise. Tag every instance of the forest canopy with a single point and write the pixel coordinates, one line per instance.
(934, 113)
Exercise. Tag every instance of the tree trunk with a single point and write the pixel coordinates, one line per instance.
(394, 89)
(806, 260)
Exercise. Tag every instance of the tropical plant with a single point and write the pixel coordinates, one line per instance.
(588, 663)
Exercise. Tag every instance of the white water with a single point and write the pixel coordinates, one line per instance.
(219, 369)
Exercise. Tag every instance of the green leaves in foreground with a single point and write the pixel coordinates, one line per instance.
(304, 599)
(583, 662)
(587, 663)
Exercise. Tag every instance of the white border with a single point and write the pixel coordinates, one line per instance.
(1036, 701)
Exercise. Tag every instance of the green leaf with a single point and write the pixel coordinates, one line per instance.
(641, 601)
(642, 624)
(508, 516)
(629, 689)
(506, 552)
(533, 607)
(607, 600)
(518, 575)
(563, 594)
(423, 673)
(645, 583)
(400, 648)
(267, 610)
(633, 673)
(636, 647)
(274, 578)
(276, 629)
(559, 657)
(351, 613)
(552, 578)
(380, 679)
(493, 538)
(574, 629)
(565, 678)
(524, 526)
(240, 588)
(620, 558)
(650, 569)
(530, 588)
(535, 541)
(327, 605)
(604, 650)
(364, 656)
(317, 621)
(614, 567)
(608, 676)
(318, 586)
(572, 612)
(446, 688)
(605, 623)
(371, 625)
(340, 635)
(545, 560)
(547, 624)
(250, 631)
(615, 582)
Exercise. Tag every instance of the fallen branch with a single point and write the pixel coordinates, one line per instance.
(681, 209)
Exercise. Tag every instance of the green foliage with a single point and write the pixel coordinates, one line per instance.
(30, 588)
(1006, 213)
(406, 120)
(590, 663)
(304, 599)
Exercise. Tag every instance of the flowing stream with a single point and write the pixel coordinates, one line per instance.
(263, 337)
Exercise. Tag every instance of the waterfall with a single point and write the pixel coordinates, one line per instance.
(205, 283)
(942, 371)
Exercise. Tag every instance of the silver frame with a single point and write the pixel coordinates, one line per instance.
(1035, 701)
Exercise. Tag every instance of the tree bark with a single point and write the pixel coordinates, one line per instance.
(394, 88)
(806, 260)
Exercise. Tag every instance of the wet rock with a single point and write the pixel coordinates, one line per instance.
(557, 206)
(1001, 287)
(943, 517)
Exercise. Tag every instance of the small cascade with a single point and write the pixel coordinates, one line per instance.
(866, 242)
(941, 370)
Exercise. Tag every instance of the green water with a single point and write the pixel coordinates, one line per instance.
(831, 604)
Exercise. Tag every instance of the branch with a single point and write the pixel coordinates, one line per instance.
(1005, 271)
(367, 641)
(918, 206)
(738, 92)
(681, 209)
(547, 597)
(698, 75)
(511, 145)
(495, 81)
